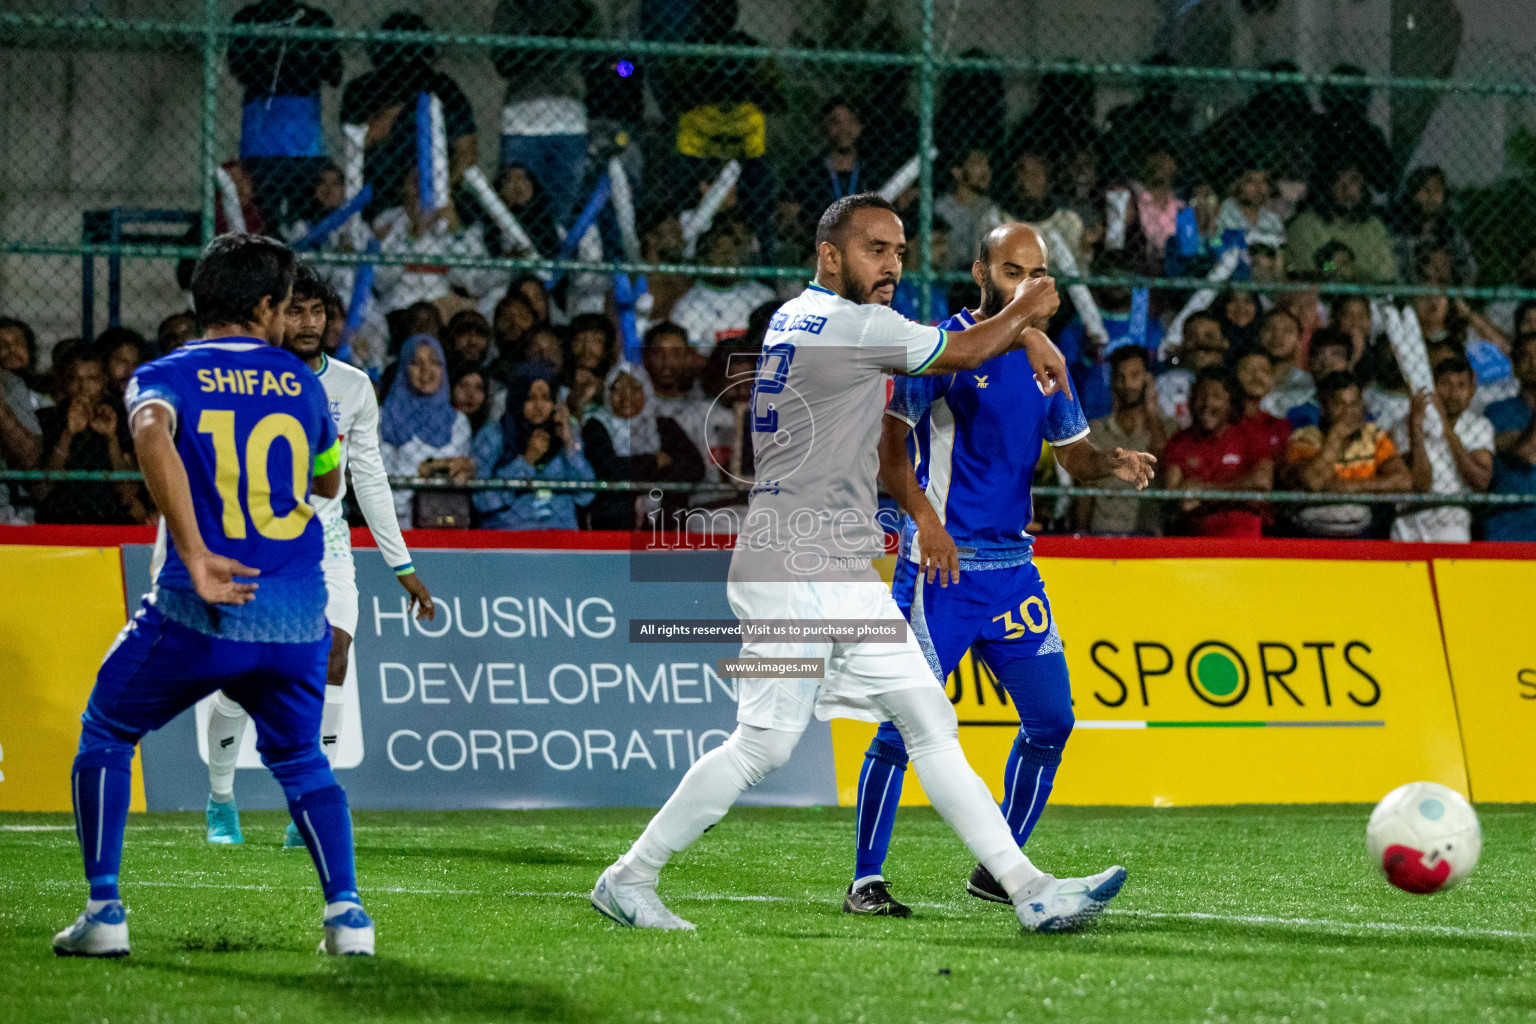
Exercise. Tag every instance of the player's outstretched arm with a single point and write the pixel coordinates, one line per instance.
(370, 482)
(939, 554)
(215, 578)
(1034, 302)
(1085, 463)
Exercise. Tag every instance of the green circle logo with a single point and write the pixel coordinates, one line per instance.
(1217, 674)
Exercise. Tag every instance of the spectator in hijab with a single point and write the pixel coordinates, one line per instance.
(538, 442)
(468, 394)
(420, 432)
(626, 440)
(1238, 313)
(385, 100)
(178, 329)
(1341, 212)
(1345, 132)
(525, 198)
(1422, 220)
(594, 350)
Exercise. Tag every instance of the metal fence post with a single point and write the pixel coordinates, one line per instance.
(210, 112)
(925, 163)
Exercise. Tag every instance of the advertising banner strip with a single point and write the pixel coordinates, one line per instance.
(1134, 724)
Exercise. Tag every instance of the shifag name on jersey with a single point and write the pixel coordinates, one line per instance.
(248, 382)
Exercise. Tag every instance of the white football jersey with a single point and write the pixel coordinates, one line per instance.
(355, 410)
(817, 406)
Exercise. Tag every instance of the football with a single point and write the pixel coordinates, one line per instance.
(1424, 837)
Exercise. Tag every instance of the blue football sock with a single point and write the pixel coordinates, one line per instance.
(885, 768)
(326, 825)
(1027, 781)
(101, 783)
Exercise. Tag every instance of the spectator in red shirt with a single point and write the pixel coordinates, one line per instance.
(1216, 453)
(1257, 378)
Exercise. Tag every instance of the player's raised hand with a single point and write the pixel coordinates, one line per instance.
(1039, 296)
(421, 598)
(940, 555)
(1049, 364)
(1134, 467)
(217, 579)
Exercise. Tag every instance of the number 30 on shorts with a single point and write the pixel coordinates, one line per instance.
(1037, 619)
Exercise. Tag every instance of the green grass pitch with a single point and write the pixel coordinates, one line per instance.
(1230, 914)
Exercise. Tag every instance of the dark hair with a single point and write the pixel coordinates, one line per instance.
(1329, 337)
(466, 321)
(1226, 379)
(599, 322)
(457, 374)
(1522, 340)
(1454, 364)
(656, 332)
(1126, 353)
(836, 217)
(164, 334)
(1333, 383)
(1525, 306)
(835, 102)
(402, 21)
(1340, 301)
(234, 273)
(308, 286)
(29, 337)
(114, 338)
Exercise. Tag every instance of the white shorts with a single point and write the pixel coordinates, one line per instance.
(855, 672)
(340, 591)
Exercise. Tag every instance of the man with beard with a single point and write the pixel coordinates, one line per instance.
(805, 552)
(975, 438)
(355, 410)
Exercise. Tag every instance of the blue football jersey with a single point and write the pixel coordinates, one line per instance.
(975, 441)
(253, 428)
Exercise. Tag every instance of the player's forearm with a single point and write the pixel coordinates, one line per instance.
(899, 477)
(1084, 463)
(377, 503)
(166, 477)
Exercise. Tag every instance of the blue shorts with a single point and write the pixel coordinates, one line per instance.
(1003, 613)
(158, 668)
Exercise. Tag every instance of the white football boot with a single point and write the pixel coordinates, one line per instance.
(1067, 904)
(99, 932)
(634, 906)
(348, 930)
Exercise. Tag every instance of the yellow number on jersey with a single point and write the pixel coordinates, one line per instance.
(219, 424)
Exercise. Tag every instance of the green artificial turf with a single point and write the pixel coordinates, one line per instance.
(1240, 914)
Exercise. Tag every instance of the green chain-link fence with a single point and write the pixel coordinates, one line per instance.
(1399, 160)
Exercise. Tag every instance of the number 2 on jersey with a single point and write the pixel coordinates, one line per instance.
(772, 376)
(219, 424)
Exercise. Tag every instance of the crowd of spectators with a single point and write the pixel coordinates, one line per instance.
(490, 375)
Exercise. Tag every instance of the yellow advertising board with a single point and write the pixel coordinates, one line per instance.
(1488, 610)
(1220, 681)
(66, 606)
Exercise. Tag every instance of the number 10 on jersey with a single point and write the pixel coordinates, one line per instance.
(219, 424)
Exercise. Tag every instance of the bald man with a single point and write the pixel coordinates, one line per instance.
(958, 452)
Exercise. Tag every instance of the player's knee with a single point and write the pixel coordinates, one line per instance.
(887, 746)
(224, 706)
(105, 742)
(756, 752)
(1052, 726)
(299, 770)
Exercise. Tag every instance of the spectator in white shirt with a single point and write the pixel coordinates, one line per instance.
(716, 308)
(409, 231)
(1246, 210)
(420, 432)
(1470, 467)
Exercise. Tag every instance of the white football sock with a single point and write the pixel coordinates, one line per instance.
(226, 728)
(703, 798)
(330, 721)
(931, 733)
